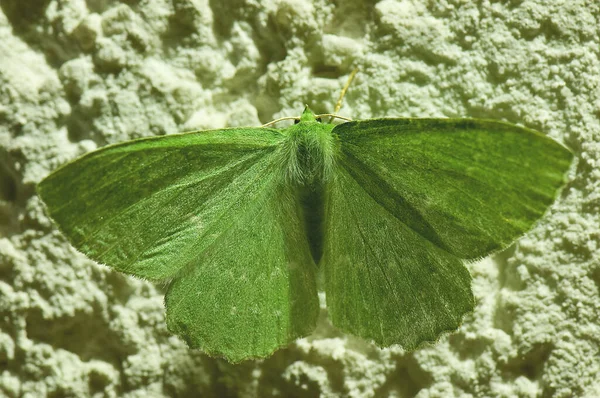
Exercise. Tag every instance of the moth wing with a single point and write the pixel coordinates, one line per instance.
(471, 187)
(208, 212)
(412, 197)
(383, 281)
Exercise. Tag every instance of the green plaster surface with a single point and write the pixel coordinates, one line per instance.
(76, 75)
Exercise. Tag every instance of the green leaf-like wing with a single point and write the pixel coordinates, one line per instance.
(209, 212)
(383, 280)
(469, 186)
(409, 200)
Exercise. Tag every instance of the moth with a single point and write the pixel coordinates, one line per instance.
(243, 222)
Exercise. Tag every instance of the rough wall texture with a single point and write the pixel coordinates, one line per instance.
(76, 75)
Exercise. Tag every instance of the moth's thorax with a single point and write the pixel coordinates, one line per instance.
(308, 151)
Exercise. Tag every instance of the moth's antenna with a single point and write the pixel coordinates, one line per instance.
(334, 116)
(279, 120)
(338, 104)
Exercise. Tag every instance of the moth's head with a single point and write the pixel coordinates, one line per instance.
(308, 116)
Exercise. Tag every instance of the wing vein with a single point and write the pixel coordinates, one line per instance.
(169, 200)
(370, 248)
(218, 238)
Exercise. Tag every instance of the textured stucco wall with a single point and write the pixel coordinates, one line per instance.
(76, 75)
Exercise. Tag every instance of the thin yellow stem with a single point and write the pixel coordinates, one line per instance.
(338, 104)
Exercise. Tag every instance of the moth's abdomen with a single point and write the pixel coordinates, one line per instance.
(308, 155)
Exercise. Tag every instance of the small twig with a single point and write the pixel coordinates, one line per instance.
(338, 104)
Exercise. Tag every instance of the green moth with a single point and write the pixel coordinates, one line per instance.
(239, 221)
